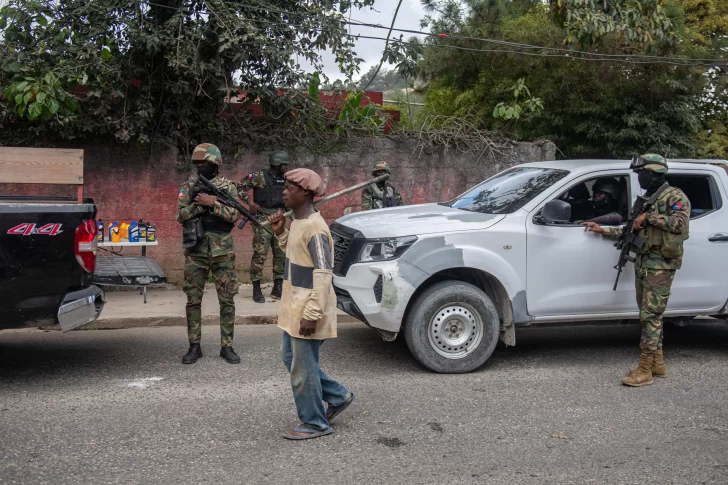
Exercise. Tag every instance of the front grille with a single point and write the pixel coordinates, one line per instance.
(342, 245)
(378, 289)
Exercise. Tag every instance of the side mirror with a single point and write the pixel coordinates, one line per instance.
(556, 212)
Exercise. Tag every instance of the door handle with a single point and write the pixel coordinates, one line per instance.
(718, 238)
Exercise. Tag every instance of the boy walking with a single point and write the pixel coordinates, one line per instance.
(308, 306)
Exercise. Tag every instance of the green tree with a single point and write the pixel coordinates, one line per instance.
(161, 70)
(709, 21)
(591, 109)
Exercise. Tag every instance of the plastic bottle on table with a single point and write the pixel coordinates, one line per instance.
(151, 233)
(133, 232)
(124, 230)
(114, 232)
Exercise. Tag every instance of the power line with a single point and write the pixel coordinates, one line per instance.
(479, 39)
(568, 54)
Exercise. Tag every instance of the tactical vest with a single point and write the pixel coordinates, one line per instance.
(669, 244)
(385, 197)
(271, 196)
(210, 222)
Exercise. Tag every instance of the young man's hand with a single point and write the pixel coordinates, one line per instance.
(205, 200)
(308, 328)
(593, 227)
(277, 222)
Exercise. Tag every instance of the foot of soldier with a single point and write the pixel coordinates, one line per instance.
(257, 293)
(194, 353)
(658, 365)
(229, 355)
(277, 291)
(642, 374)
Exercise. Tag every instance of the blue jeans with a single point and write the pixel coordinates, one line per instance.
(311, 386)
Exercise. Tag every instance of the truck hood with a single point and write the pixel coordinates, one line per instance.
(415, 220)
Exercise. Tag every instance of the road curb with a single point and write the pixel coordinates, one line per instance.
(176, 321)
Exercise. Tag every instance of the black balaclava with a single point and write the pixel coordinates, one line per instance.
(605, 206)
(650, 181)
(207, 170)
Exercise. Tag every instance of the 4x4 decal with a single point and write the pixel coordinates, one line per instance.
(28, 228)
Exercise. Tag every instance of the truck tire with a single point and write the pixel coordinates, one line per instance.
(452, 328)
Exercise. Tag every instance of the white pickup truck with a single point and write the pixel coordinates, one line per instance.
(455, 276)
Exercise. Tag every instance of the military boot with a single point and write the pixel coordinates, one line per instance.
(277, 291)
(642, 375)
(229, 354)
(658, 365)
(257, 293)
(193, 354)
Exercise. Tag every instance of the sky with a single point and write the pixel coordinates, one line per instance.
(370, 50)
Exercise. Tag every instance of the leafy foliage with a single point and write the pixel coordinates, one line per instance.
(513, 111)
(365, 119)
(633, 22)
(162, 70)
(713, 141)
(591, 109)
(41, 98)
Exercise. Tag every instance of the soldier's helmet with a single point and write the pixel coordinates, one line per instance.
(207, 152)
(278, 158)
(608, 186)
(379, 166)
(651, 162)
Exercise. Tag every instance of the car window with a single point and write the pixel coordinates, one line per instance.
(606, 212)
(508, 191)
(701, 191)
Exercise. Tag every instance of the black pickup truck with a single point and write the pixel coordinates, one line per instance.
(47, 261)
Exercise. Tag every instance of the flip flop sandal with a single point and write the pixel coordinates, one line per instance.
(310, 433)
(334, 411)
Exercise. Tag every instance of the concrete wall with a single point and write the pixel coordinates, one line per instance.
(127, 183)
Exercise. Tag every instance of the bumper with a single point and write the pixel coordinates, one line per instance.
(356, 294)
(80, 308)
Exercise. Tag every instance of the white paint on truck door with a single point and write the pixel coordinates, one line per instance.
(702, 282)
(570, 271)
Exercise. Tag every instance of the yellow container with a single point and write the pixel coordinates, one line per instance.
(124, 231)
(115, 234)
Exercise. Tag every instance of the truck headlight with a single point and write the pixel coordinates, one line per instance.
(385, 249)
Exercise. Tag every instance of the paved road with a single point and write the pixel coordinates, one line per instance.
(115, 406)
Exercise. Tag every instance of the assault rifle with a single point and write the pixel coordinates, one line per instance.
(628, 239)
(227, 199)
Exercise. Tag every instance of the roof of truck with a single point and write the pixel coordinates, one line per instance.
(587, 165)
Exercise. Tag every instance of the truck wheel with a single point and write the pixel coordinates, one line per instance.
(452, 328)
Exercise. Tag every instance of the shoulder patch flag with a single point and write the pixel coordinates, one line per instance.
(182, 193)
(250, 175)
(677, 206)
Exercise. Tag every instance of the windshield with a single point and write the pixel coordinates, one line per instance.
(508, 191)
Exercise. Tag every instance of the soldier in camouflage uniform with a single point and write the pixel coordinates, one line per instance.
(267, 188)
(382, 194)
(664, 228)
(214, 253)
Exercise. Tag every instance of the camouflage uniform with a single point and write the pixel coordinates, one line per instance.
(376, 196)
(262, 239)
(664, 231)
(215, 253)
(654, 272)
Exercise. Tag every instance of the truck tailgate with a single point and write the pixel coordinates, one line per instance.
(128, 271)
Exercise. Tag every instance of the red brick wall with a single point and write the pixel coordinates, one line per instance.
(128, 184)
